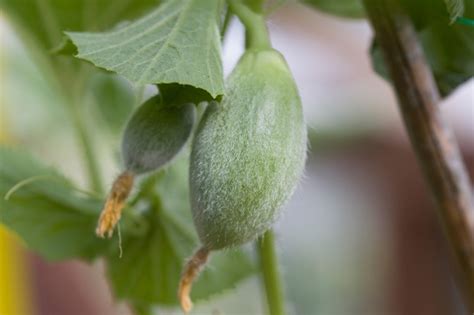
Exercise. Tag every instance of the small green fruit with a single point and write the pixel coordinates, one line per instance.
(155, 134)
(248, 152)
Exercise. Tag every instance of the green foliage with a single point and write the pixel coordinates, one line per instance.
(181, 94)
(47, 212)
(248, 152)
(58, 221)
(449, 48)
(150, 268)
(47, 19)
(450, 52)
(179, 42)
(344, 8)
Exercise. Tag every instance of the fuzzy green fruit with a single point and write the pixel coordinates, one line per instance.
(155, 134)
(248, 152)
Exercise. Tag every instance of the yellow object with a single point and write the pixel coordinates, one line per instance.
(14, 293)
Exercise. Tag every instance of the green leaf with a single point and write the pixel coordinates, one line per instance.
(450, 52)
(455, 9)
(151, 265)
(449, 49)
(179, 42)
(41, 23)
(45, 211)
(181, 94)
(46, 19)
(65, 47)
(343, 8)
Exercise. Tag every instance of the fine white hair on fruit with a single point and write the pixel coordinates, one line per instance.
(248, 152)
(155, 134)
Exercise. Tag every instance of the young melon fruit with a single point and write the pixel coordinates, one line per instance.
(153, 136)
(247, 156)
(248, 152)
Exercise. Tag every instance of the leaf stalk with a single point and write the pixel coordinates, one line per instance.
(256, 33)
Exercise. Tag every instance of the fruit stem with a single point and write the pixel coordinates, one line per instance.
(256, 33)
(190, 272)
(270, 274)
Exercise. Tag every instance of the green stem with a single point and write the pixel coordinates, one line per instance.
(270, 274)
(84, 137)
(256, 35)
(88, 151)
